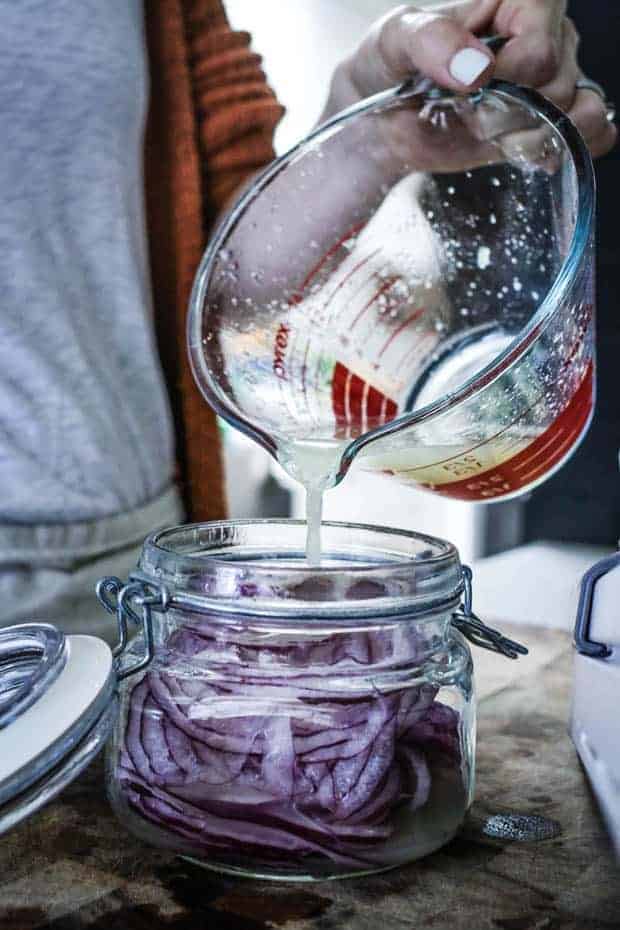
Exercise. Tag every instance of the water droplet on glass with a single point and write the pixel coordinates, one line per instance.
(464, 311)
(496, 182)
(451, 190)
(517, 286)
(483, 259)
(493, 219)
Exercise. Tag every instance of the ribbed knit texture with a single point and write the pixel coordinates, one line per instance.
(211, 123)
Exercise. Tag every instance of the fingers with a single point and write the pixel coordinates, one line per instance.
(530, 17)
(589, 115)
(411, 40)
(561, 90)
(541, 53)
(534, 52)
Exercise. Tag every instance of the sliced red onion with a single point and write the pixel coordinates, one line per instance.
(245, 752)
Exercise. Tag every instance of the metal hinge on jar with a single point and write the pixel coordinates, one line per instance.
(134, 601)
(477, 632)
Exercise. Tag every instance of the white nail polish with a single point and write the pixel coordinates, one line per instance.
(468, 64)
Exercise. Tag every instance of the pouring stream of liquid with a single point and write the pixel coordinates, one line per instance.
(314, 510)
(314, 465)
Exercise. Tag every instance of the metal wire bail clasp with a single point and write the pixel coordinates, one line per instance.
(477, 632)
(134, 601)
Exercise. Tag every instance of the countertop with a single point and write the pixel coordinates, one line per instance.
(73, 867)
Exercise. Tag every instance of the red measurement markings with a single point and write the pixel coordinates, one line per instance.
(383, 288)
(348, 277)
(304, 382)
(416, 349)
(531, 463)
(399, 329)
(356, 404)
(296, 298)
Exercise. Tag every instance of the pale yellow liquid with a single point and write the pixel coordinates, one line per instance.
(314, 465)
(314, 510)
(435, 465)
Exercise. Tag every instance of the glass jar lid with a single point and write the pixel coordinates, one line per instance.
(57, 707)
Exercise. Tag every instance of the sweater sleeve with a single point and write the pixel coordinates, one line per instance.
(210, 125)
(237, 111)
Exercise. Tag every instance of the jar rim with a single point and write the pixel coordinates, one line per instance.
(257, 567)
(156, 539)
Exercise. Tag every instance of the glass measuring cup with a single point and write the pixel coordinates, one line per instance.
(411, 287)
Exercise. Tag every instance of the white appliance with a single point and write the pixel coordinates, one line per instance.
(595, 715)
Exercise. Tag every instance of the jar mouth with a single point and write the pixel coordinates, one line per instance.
(213, 540)
(258, 567)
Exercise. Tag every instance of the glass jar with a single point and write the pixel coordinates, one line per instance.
(294, 722)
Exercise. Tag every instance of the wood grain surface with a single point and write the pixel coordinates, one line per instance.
(73, 867)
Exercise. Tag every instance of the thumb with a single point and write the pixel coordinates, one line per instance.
(411, 40)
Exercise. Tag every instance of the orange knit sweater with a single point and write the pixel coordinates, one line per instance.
(210, 125)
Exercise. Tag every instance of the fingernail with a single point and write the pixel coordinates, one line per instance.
(468, 64)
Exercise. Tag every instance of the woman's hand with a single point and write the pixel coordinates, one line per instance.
(440, 42)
